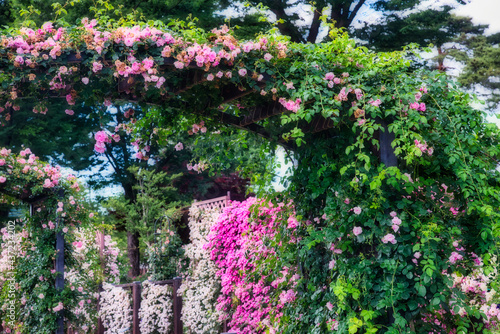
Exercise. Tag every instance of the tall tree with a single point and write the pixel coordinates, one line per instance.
(430, 26)
(481, 57)
(305, 27)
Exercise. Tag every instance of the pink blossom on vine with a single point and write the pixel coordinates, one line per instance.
(268, 57)
(389, 238)
(69, 112)
(359, 93)
(179, 146)
(101, 136)
(396, 221)
(454, 257)
(357, 230)
(70, 99)
(242, 72)
(96, 66)
(3, 179)
(375, 103)
(357, 210)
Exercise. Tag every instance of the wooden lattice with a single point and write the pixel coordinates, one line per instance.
(214, 203)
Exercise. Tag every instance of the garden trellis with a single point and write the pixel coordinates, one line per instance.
(50, 197)
(374, 141)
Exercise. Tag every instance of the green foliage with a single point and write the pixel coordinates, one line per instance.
(151, 216)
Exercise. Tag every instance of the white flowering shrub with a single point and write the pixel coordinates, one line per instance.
(88, 273)
(116, 309)
(201, 288)
(156, 309)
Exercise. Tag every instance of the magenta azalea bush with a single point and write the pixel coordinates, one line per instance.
(254, 294)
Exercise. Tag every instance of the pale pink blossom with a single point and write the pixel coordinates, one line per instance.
(389, 238)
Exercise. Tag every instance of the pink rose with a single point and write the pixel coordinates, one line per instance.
(357, 230)
(389, 238)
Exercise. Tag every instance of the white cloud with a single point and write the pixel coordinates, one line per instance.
(482, 12)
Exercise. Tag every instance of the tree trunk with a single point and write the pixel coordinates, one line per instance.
(133, 253)
(440, 59)
(313, 31)
(133, 249)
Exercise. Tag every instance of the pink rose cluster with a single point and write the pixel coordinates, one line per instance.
(396, 221)
(198, 127)
(30, 48)
(101, 139)
(291, 105)
(31, 166)
(423, 147)
(330, 77)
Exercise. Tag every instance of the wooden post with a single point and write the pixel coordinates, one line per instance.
(177, 306)
(136, 304)
(100, 326)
